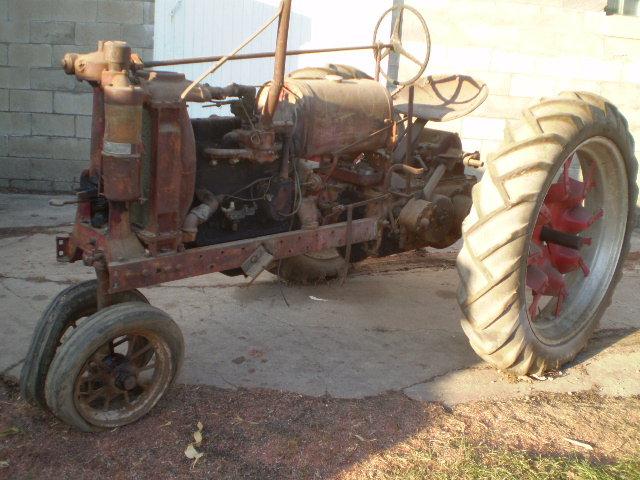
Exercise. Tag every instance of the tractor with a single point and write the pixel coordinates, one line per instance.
(304, 176)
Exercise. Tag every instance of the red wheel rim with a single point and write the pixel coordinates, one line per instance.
(558, 238)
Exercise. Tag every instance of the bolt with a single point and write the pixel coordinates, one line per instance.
(126, 381)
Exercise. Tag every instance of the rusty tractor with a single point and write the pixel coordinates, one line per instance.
(309, 173)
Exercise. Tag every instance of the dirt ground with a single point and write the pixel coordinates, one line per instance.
(261, 434)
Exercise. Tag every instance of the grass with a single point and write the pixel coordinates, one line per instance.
(462, 460)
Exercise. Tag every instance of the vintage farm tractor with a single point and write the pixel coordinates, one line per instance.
(315, 170)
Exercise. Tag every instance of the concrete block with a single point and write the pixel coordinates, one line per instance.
(484, 33)
(73, 103)
(469, 58)
(633, 117)
(532, 86)
(4, 145)
(75, 10)
(498, 83)
(53, 32)
(582, 5)
(600, 70)
(29, 55)
(31, 101)
(70, 148)
(65, 187)
(82, 87)
(12, 167)
(138, 35)
(51, 79)
(593, 22)
(626, 96)
(631, 73)
(580, 67)
(513, 62)
(57, 170)
(556, 18)
(31, 185)
(31, 9)
(91, 33)
(58, 51)
(622, 48)
(14, 123)
(31, 146)
(503, 106)
(472, 145)
(4, 9)
(622, 26)
(4, 54)
(14, 31)
(145, 53)
(120, 12)
(83, 126)
(14, 77)
(53, 124)
(5, 183)
(454, 126)
(577, 85)
(148, 12)
(589, 44)
(4, 99)
(509, 12)
(483, 128)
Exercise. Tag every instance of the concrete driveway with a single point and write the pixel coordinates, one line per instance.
(394, 325)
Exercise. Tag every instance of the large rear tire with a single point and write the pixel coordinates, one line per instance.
(503, 321)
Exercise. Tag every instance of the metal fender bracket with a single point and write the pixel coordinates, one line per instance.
(62, 248)
(257, 262)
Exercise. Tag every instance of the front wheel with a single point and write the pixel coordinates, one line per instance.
(547, 235)
(115, 367)
(66, 311)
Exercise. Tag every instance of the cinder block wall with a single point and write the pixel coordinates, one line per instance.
(45, 115)
(527, 49)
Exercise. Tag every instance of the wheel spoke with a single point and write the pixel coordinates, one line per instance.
(147, 367)
(398, 25)
(141, 351)
(402, 51)
(97, 393)
(121, 341)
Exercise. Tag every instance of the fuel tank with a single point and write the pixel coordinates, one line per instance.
(334, 114)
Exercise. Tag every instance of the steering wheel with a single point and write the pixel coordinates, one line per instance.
(396, 41)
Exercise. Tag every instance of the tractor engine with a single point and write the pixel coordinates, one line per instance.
(319, 122)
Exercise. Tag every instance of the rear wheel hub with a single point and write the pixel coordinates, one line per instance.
(557, 237)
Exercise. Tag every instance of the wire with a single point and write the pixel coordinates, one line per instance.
(298, 193)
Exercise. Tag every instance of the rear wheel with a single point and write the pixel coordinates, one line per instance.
(65, 312)
(546, 237)
(115, 367)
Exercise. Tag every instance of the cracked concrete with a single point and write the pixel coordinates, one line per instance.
(394, 325)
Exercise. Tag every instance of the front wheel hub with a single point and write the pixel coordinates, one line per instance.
(122, 370)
